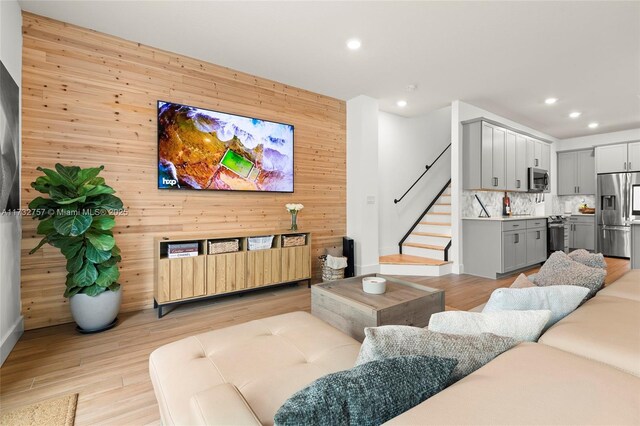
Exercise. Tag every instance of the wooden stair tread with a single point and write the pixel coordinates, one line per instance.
(431, 234)
(424, 246)
(442, 204)
(435, 223)
(407, 259)
(439, 213)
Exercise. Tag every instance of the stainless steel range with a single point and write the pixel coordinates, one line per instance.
(558, 234)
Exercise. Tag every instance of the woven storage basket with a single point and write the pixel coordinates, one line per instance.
(293, 240)
(223, 246)
(330, 274)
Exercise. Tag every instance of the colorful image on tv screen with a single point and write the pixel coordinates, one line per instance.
(202, 149)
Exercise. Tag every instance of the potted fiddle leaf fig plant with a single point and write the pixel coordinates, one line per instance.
(77, 215)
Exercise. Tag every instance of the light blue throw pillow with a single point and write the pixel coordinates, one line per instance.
(561, 300)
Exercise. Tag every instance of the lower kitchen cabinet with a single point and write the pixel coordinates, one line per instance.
(536, 245)
(492, 247)
(582, 233)
(514, 250)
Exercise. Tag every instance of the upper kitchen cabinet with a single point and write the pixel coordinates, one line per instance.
(497, 158)
(538, 154)
(634, 157)
(576, 173)
(516, 162)
(484, 156)
(616, 158)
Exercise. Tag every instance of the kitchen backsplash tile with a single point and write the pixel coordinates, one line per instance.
(521, 203)
(573, 202)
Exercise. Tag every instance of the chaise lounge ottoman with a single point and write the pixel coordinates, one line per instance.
(244, 373)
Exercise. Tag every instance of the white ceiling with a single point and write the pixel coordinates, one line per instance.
(506, 57)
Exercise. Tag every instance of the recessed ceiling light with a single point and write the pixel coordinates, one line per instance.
(593, 125)
(550, 101)
(575, 114)
(354, 44)
(401, 104)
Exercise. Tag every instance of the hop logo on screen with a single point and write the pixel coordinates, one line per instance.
(170, 182)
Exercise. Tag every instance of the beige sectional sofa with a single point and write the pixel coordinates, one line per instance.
(584, 370)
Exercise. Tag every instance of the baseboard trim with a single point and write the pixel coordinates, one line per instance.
(12, 337)
(367, 269)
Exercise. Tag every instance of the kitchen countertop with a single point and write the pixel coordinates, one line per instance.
(504, 219)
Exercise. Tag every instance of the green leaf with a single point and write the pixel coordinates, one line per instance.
(74, 265)
(107, 275)
(94, 290)
(92, 191)
(41, 184)
(56, 194)
(112, 261)
(57, 180)
(96, 181)
(103, 223)
(95, 255)
(86, 175)
(73, 225)
(42, 242)
(68, 172)
(39, 202)
(114, 287)
(70, 246)
(101, 241)
(115, 251)
(86, 276)
(65, 201)
(72, 291)
(107, 202)
(46, 227)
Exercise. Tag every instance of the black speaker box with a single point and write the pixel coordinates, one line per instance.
(347, 251)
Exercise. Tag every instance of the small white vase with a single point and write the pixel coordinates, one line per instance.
(95, 313)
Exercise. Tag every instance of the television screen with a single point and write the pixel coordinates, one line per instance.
(209, 150)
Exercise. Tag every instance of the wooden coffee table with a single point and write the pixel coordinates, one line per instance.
(345, 306)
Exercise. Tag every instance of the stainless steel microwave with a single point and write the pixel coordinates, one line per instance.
(538, 180)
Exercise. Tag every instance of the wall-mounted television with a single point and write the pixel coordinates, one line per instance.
(208, 150)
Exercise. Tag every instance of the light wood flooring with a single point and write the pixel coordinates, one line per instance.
(110, 370)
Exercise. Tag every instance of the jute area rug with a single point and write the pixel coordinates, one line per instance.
(52, 412)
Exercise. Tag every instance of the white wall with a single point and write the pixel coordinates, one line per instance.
(461, 111)
(11, 324)
(405, 147)
(595, 140)
(362, 181)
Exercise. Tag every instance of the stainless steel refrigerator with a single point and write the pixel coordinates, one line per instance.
(614, 213)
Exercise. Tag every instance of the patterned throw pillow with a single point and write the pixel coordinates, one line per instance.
(472, 352)
(561, 300)
(559, 269)
(519, 325)
(368, 394)
(594, 260)
(522, 282)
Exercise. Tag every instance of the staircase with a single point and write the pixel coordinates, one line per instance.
(424, 250)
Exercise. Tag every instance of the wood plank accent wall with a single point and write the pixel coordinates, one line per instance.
(90, 99)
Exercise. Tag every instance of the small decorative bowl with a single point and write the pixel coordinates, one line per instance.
(374, 285)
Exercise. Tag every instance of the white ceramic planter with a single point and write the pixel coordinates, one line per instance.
(95, 313)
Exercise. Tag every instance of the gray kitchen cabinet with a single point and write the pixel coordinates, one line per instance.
(514, 250)
(492, 247)
(498, 158)
(516, 162)
(633, 157)
(522, 172)
(493, 157)
(576, 173)
(582, 232)
(536, 245)
(611, 158)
